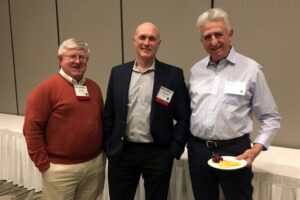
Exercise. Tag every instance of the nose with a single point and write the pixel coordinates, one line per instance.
(146, 41)
(214, 40)
(77, 59)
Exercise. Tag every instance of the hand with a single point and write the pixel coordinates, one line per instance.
(250, 154)
(43, 173)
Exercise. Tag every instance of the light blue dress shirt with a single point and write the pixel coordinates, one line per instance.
(225, 96)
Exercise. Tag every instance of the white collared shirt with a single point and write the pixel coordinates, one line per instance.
(224, 97)
(70, 79)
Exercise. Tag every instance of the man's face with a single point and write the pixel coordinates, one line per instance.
(216, 39)
(74, 63)
(146, 41)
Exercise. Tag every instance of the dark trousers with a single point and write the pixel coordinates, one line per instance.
(206, 181)
(151, 161)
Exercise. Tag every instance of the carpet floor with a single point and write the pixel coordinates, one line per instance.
(9, 191)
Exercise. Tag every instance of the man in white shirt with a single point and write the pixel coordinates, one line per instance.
(226, 89)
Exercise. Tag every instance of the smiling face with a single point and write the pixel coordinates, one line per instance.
(146, 41)
(216, 39)
(74, 63)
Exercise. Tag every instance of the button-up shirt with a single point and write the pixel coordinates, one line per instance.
(139, 104)
(70, 79)
(224, 97)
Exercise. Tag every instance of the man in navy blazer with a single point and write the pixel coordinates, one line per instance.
(146, 120)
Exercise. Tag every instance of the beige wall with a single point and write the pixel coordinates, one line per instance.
(34, 43)
(98, 23)
(176, 19)
(7, 81)
(264, 30)
(267, 31)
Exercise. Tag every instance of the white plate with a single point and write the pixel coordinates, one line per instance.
(243, 163)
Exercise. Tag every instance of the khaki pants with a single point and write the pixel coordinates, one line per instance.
(83, 181)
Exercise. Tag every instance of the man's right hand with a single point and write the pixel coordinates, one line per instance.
(43, 173)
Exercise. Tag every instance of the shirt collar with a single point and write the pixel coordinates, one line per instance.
(137, 69)
(231, 58)
(70, 79)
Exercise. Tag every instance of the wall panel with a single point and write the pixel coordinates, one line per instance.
(177, 22)
(267, 31)
(98, 23)
(7, 81)
(35, 44)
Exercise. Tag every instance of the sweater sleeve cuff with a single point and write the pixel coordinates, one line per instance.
(43, 167)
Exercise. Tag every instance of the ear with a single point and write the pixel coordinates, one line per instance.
(201, 40)
(60, 58)
(201, 36)
(231, 33)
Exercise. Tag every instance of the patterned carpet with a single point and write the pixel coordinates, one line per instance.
(9, 191)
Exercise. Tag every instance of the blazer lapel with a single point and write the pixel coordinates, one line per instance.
(124, 84)
(158, 78)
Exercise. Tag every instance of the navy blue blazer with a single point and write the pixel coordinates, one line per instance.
(165, 131)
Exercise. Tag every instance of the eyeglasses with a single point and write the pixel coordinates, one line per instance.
(209, 37)
(73, 58)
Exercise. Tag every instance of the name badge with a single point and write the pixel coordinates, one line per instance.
(164, 96)
(81, 92)
(237, 88)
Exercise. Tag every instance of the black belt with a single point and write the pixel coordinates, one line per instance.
(221, 143)
(138, 143)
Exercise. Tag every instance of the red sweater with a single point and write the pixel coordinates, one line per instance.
(58, 127)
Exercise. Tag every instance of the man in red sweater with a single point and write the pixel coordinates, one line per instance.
(63, 128)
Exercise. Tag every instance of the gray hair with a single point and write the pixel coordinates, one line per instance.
(214, 14)
(73, 43)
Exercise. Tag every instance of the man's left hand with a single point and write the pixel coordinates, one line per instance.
(250, 154)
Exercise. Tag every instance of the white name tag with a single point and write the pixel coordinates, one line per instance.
(237, 88)
(164, 95)
(81, 91)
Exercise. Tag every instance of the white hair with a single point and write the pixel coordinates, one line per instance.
(214, 14)
(73, 43)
